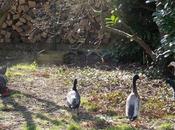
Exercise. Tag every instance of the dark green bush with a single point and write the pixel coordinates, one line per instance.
(165, 19)
(137, 15)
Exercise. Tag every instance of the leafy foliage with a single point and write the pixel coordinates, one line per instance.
(165, 19)
(113, 19)
(136, 18)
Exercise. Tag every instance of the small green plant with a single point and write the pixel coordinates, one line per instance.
(74, 127)
(166, 126)
(113, 19)
(30, 127)
(122, 127)
(17, 94)
(90, 106)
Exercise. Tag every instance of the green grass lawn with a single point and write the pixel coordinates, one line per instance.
(37, 100)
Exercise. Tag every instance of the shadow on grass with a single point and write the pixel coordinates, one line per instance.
(30, 123)
(46, 102)
(51, 107)
(96, 122)
(43, 117)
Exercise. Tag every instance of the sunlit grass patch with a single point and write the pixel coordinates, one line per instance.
(31, 67)
(61, 70)
(103, 98)
(45, 121)
(21, 69)
(113, 98)
(166, 126)
(56, 128)
(73, 126)
(106, 100)
(30, 126)
(121, 127)
(154, 108)
(14, 74)
(16, 94)
(1, 106)
(88, 105)
(168, 116)
(44, 117)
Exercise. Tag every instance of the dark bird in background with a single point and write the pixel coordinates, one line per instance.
(133, 102)
(3, 69)
(73, 98)
(172, 84)
(171, 66)
(4, 90)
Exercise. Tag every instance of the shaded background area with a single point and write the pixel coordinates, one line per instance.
(67, 25)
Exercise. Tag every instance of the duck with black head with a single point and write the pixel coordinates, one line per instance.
(73, 98)
(133, 101)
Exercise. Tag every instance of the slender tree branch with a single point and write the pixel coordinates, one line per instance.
(133, 36)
